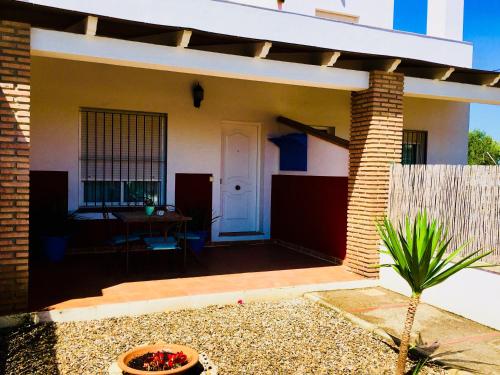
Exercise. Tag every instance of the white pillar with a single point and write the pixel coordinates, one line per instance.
(445, 18)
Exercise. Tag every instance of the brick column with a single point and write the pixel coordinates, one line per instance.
(14, 164)
(376, 141)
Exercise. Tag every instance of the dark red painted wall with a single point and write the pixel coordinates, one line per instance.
(310, 211)
(193, 194)
(193, 191)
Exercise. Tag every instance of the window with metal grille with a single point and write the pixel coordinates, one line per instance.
(122, 158)
(414, 147)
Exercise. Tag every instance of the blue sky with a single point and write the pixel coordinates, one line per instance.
(482, 28)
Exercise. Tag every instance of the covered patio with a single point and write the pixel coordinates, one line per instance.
(114, 149)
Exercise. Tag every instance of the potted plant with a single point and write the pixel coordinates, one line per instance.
(280, 4)
(55, 235)
(149, 205)
(199, 228)
(160, 359)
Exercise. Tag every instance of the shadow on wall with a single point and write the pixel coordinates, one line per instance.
(28, 349)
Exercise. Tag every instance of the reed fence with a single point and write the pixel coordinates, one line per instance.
(465, 198)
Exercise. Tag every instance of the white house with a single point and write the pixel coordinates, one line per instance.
(104, 91)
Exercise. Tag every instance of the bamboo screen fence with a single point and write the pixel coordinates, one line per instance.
(465, 198)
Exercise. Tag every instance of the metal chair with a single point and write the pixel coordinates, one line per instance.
(119, 239)
(171, 240)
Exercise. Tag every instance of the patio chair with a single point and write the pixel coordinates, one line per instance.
(119, 239)
(171, 241)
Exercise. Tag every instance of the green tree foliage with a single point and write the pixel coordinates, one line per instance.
(481, 147)
(421, 254)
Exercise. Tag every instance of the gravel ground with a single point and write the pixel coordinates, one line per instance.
(289, 337)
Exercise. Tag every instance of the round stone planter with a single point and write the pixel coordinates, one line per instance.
(192, 358)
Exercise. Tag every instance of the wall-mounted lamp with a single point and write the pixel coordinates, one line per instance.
(198, 94)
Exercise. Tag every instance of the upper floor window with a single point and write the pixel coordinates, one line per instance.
(414, 147)
(337, 16)
(122, 157)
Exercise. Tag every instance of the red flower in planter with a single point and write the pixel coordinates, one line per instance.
(164, 361)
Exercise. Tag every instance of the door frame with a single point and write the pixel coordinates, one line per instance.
(258, 220)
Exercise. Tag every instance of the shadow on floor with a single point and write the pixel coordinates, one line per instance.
(28, 349)
(81, 276)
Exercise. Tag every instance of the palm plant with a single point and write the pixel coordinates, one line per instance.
(421, 257)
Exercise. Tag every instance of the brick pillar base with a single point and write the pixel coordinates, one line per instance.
(376, 141)
(14, 164)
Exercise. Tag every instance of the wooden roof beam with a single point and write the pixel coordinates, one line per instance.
(444, 74)
(307, 129)
(179, 39)
(492, 81)
(183, 38)
(392, 65)
(87, 26)
(328, 59)
(261, 50)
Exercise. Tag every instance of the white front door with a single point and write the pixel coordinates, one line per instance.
(239, 177)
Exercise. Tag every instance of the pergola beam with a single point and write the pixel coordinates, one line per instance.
(179, 39)
(444, 74)
(392, 65)
(262, 49)
(493, 81)
(87, 26)
(451, 91)
(328, 59)
(308, 129)
(183, 38)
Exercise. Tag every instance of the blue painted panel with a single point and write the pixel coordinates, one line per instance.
(293, 151)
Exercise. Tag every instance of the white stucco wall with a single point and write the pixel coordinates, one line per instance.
(445, 18)
(60, 88)
(323, 158)
(472, 293)
(378, 13)
(447, 124)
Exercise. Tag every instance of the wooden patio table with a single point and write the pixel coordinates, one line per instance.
(140, 217)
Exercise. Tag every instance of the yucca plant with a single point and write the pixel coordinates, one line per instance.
(422, 257)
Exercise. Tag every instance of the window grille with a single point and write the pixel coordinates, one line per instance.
(122, 158)
(414, 147)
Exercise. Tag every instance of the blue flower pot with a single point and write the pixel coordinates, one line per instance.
(54, 247)
(198, 244)
(149, 210)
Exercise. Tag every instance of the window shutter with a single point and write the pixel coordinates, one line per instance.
(122, 147)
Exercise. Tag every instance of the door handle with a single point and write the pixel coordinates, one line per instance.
(237, 187)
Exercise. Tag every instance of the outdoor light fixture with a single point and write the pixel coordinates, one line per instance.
(198, 94)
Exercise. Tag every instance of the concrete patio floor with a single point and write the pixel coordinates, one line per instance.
(460, 341)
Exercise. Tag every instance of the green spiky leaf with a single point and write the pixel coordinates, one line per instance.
(421, 253)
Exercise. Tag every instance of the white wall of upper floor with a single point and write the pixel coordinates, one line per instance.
(379, 13)
(250, 22)
(444, 17)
